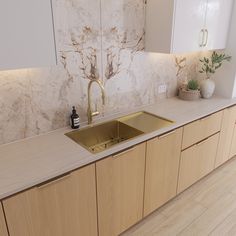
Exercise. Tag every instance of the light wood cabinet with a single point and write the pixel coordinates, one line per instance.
(177, 26)
(120, 189)
(197, 161)
(162, 168)
(201, 129)
(233, 143)
(3, 228)
(226, 135)
(66, 206)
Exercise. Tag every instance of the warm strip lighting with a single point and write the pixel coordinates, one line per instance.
(16, 71)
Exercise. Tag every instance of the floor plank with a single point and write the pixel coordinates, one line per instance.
(227, 227)
(211, 218)
(206, 208)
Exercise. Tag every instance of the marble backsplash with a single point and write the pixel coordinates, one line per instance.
(95, 39)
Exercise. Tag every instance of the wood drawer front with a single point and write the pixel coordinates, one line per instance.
(120, 188)
(197, 161)
(201, 129)
(66, 206)
(162, 168)
(3, 228)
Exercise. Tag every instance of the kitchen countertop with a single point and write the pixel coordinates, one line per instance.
(29, 162)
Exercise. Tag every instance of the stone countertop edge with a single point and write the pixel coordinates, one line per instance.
(32, 161)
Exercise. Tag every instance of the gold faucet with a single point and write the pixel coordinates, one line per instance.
(90, 113)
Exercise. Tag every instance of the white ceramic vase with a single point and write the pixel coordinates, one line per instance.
(207, 88)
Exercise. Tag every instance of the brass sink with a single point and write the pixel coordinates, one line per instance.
(100, 137)
(146, 122)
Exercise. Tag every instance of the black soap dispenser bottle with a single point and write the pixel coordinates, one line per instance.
(75, 121)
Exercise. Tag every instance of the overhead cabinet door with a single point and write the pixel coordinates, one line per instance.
(27, 34)
(180, 26)
(188, 25)
(218, 18)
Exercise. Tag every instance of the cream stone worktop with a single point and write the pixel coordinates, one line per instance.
(29, 162)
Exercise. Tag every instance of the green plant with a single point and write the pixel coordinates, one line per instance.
(193, 85)
(210, 65)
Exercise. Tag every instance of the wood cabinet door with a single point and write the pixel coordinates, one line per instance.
(197, 161)
(226, 134)
(232, 138)
(162, 168)
(66, 206)
(201, 129)
(233, 144)
(120, 187)
(3, 227)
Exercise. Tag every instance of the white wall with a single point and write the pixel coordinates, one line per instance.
(226, 76)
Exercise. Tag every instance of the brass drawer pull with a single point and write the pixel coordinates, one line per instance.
(206, 118)
(202, 142)
(124, 152)
(54, 181)
(166, 135)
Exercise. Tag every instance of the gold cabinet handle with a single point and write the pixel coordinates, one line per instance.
(166, 135)
(202, 142)
(206, 38)
(205, 118)
(201, 38)
(124, 152)
(54, 181)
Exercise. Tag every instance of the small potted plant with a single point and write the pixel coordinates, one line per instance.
(209, 67)
(190, 92)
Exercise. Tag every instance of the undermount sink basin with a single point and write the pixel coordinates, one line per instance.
(100, 137)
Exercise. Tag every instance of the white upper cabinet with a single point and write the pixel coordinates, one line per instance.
(27, 34)
(217, 23)
(179, 26)
(188, 25)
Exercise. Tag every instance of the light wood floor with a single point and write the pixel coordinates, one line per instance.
(207, 208)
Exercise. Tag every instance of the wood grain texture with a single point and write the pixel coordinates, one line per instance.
(233, 144)
(197, 161)
(3, 228)
(22, 164)
(226, 134)
(211, 218)
(233, 126)
(207, 208)
(201, 129)
(120, 186)
(162, 168)
(63, 207)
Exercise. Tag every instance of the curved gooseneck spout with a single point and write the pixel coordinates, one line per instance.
(90, 113)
